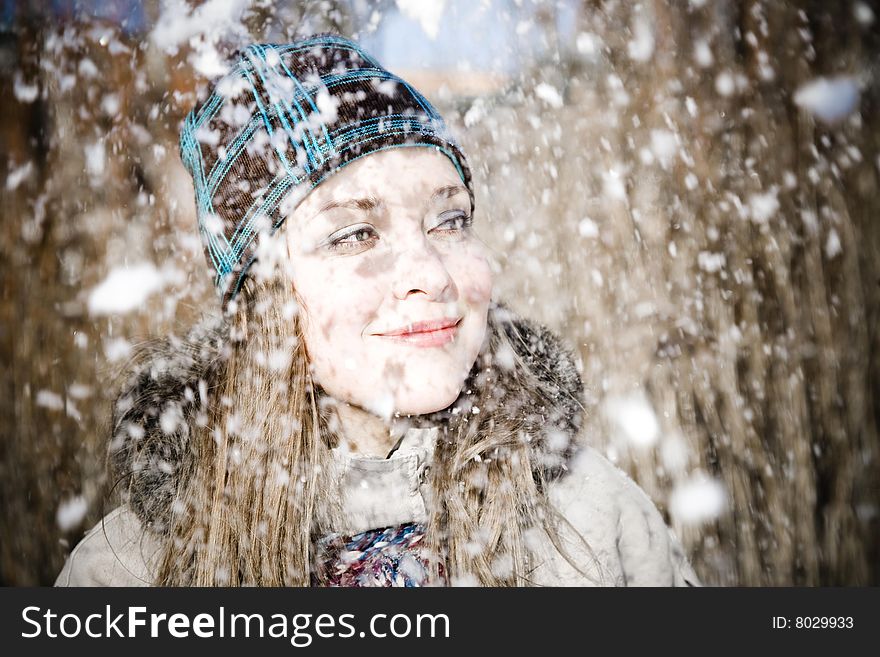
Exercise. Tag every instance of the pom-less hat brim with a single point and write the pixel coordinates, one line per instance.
(283, 120)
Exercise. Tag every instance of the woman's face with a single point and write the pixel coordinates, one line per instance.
(383, 243)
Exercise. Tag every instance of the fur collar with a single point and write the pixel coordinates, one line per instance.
(164, 400)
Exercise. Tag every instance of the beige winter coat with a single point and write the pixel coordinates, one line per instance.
(631, 543)
(628, 541)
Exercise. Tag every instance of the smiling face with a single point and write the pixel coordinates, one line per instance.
(383, 243)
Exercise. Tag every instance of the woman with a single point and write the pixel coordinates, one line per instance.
(364, 414)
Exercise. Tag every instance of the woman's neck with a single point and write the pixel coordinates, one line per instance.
(368, 434)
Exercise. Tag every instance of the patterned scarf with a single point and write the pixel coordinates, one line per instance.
(394, 556)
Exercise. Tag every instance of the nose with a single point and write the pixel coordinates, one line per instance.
(419, 268)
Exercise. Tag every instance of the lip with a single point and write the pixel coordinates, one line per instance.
(432, 333)
(424, 327)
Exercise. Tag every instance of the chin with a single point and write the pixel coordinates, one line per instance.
(428, 403)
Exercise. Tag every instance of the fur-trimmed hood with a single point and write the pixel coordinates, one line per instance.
(167, 393)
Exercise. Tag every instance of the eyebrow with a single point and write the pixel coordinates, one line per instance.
(368, 203)
(447, 191)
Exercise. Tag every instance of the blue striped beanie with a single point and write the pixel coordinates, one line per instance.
(283, 119)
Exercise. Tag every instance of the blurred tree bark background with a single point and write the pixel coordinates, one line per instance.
(708, 243)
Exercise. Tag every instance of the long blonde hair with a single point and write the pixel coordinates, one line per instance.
(254, 490)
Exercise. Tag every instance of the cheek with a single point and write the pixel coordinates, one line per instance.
(335, 298)
(472, 275)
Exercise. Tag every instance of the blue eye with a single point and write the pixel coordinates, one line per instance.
(344, 243)
(460, 221)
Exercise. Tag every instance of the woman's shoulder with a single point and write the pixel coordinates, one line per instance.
(591, 474)
(620, 523)
(115, 552)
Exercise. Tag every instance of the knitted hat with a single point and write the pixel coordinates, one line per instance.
(278, 124)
